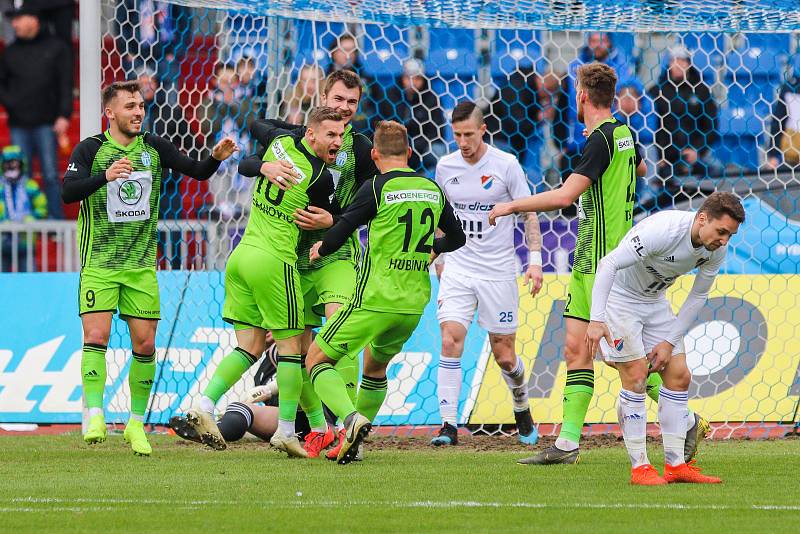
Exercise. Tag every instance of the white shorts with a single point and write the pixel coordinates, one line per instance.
(496, 301)
(636, 328)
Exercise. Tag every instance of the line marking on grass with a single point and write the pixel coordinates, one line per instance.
(81, 504)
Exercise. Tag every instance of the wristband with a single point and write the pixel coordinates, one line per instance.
(535, 258)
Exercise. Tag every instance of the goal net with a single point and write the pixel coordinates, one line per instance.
(712, 90)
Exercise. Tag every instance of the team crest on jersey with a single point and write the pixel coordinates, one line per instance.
(130, 192)
(146, 158)
(618, 344)
(487, 181)
(341, 158)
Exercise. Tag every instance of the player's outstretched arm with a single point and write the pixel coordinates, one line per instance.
(556, 199)
(266, 130)
(454, 236)
(79, 183)
(363, 208)
(172, 158)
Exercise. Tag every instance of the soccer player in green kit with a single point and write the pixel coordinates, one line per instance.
(328, 283)
(262, 284)
(116, 175)
(403, 209)
(604, 184)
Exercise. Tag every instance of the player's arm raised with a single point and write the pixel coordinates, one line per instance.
(172, 158)
(556, 199)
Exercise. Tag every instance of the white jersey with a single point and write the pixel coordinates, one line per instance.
(473, 190)
(663, 245)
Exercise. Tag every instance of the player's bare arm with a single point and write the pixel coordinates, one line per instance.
(224, 149)
(533, 236)
(553, 200)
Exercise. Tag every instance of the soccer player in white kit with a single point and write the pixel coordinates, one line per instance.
(482, 275)
(633, 324)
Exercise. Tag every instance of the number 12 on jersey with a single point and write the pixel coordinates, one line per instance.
(428, 224)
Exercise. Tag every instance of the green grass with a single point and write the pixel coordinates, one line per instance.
(57, 483)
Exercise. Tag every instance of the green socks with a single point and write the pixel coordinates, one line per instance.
(331, 390)
(93, 372)
(290, 385)
(228, 372)
(311, 405)
(140, 379)
(370, 396)
(348, 369)
(577, 396)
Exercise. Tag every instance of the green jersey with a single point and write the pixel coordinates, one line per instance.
(403, 210)
(271, 225)
(605, 210)
(352, 168)
(117, 221)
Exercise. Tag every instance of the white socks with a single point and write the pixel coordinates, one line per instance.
(449, 388)
(286, 427)
(95, 411)
(632, 415)
(673, 411)
(206, 404)
(515, 379)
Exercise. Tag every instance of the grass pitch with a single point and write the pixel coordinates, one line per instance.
(57, 483)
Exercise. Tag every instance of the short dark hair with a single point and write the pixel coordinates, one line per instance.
(322, 113)
(344, 37)
(350, 79)
(600, 83)
(391, 139)
(110, 91)
(466, 110)
(722, 203)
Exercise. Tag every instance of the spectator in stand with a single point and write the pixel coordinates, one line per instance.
(784, 144)
(688, 124)
(567, 131)
(151, 31)
(412, 103)
(36, 90)
(345, 56)
(303, 95)
(221, 112)
(514, 121)
(21, 201)
(635, 109)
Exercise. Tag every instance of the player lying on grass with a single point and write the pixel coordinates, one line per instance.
(632, 322)
(482, 275)
(403, 210)
(262, 284)
(256, 413)
(116, 175)
(328, 283)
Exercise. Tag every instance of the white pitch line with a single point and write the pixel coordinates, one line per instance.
(79, 504)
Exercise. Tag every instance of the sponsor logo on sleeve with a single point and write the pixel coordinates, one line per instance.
(626, 143)
(280, 153)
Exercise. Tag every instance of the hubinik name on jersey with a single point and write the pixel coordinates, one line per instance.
(402, 264)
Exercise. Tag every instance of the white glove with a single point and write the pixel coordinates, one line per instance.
(261, 393)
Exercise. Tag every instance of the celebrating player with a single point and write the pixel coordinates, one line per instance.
(403, 210)
(604, 183)
(327, 283)
(482, 275)
(262, 286)
(633, 323)
(117, 177)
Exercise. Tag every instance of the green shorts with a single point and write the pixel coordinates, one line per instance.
(264, 292)
(332, 283)
(579, 297)
(351, 329)
(134, 292)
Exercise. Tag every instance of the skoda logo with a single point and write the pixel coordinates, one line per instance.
(130, 192)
